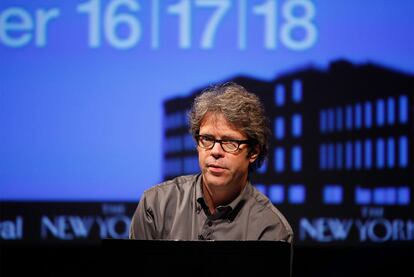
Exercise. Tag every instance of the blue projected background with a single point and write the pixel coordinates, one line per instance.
(83, 82)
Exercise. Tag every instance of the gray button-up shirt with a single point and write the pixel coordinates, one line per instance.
(176, 210)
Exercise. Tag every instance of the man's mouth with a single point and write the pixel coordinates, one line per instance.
(215, 165)
(216, 169)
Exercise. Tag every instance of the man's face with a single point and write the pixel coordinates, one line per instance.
(220, 169)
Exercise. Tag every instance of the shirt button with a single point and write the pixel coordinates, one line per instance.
(209, 223)
(200, 237)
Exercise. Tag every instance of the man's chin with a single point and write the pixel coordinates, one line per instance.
(216, 181)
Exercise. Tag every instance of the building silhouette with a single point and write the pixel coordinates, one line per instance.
(342, 140)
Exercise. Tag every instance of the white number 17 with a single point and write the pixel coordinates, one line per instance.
(221, 7)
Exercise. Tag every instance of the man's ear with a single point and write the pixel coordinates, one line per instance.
(254, 154)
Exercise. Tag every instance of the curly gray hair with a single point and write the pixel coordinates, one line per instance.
(241, 108)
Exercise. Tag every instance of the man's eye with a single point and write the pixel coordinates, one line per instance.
(208, 139)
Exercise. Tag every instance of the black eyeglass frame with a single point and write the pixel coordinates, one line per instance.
(239, 142)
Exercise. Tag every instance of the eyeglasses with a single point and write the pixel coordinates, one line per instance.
(228, 145)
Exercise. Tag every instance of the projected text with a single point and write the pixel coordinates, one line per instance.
(189, 24)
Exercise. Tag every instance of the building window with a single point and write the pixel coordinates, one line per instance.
(172, 167)
(261, 188)
(297, 194)
(276, 193)
(380, 112)
(403, 153)
(296, 158)
(390, 152)
(280, 95)
(332, 194)
(403, 109)
(279, 159)
(339, 155)
(362, 196)
(263, 168)
(385, 196)
(189, 143)
(279, 128)
(403, 195)
(368, 154)
(331, 155)
(297, 125)
(348, 117)
(191, 165)
(173, 144)
(368, 115)
(174, 120)
(358, 116)
(297, 91)
(358, 155)
(391, 111)
(380, 153)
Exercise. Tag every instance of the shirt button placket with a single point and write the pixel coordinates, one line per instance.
(206, 231)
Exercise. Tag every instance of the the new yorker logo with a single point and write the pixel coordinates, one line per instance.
(368, 230)
(67, 227)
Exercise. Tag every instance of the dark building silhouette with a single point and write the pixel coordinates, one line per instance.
(342, 142)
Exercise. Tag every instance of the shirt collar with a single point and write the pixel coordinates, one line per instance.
(229, 211)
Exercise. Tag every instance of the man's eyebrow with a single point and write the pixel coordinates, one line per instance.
(229, 138)
(206, 135)
(225, 137)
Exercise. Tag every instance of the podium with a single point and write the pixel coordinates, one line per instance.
(196, 258)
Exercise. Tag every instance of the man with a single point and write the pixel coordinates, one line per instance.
(230, 128)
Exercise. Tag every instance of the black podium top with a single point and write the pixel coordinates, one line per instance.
(196, 258)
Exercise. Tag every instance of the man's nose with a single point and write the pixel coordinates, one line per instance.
(217, 151)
